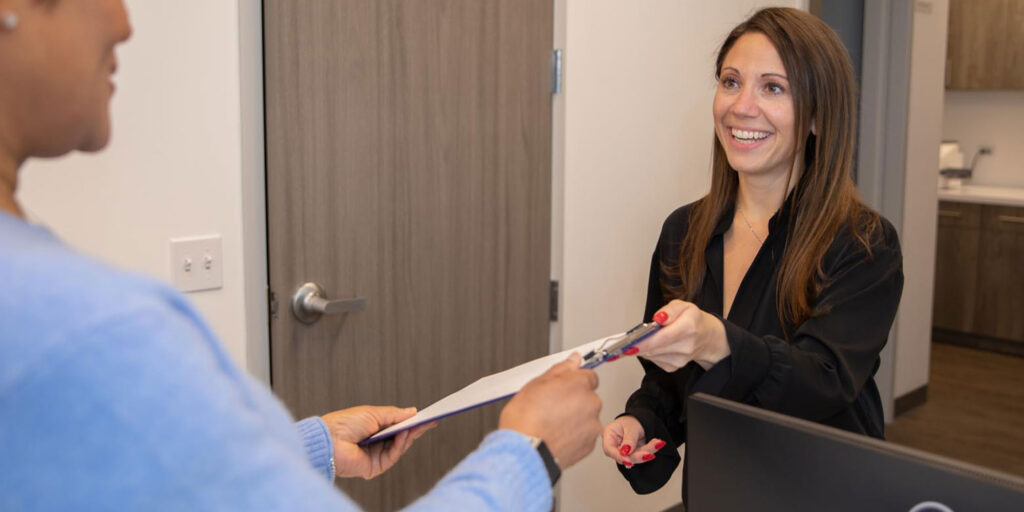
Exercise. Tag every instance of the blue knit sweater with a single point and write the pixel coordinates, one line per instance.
(115, 395)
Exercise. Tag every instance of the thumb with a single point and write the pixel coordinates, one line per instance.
(631, 437)
(570, 363)
(387, 415)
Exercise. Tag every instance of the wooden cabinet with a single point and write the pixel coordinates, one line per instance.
(979, 283)
(985, 45)
(956, 265)
(1000, 293)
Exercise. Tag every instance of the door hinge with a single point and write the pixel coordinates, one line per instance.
(556, 71)
(553, 297)
(272, 303)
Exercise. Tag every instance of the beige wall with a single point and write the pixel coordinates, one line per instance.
(635, 131)
(988, 118)
(924, 132)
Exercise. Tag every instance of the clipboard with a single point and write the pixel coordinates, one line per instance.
(504, 384)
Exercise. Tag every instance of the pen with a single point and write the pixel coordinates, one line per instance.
(619, 344)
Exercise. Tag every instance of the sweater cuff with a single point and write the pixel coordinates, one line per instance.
(504, 473)
(749, 362)
(316, 439)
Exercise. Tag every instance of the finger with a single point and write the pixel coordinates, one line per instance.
(391, 455)
(611, 439)
(631, 439)
(570, 363)
(417, 432)
(647, 452)
(664, 317)
(590, 376)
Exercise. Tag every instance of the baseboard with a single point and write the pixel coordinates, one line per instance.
(911, 400)
(978, 341)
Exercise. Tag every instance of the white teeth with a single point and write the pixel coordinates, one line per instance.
(748, 136)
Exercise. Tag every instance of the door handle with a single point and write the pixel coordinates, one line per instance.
(310, 302)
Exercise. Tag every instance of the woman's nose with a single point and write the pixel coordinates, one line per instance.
(745, 104)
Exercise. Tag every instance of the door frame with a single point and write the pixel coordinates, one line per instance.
(254, 184)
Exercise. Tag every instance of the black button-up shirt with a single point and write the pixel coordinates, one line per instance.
(824, 372)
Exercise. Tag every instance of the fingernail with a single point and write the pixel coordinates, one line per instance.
(625, 449)
(630, 351)
(647, 457)
(661, 317)
(610, 359)
(659, 445)
(627, 464)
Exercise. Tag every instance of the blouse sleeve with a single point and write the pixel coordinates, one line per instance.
(831, 355)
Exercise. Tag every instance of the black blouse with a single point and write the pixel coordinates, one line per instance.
(824, 373)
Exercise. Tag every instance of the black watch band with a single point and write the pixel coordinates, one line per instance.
(554, 472)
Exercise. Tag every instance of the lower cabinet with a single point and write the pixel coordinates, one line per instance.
(979, 284)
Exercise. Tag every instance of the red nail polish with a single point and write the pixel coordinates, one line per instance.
(625, 449)
(630, 351)
(627, 464)
(610, 359)
(647, 457)
(661, 317)
(659, 445)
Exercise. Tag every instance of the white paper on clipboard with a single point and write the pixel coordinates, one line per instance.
(485, 390)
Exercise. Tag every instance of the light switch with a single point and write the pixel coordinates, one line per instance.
(196, 263)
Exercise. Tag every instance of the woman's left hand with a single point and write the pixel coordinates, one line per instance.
(349, 426)
(687, 334)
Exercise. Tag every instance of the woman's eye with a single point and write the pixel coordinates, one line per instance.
(730, 83)
(774, 88)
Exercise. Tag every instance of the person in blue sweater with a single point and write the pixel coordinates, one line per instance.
(116, 395)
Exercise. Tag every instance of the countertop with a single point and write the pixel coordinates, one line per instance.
(1006, 196)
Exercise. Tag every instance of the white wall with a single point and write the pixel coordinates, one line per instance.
(988, 118)
(924, 132)
(637, 132)
(174, 167)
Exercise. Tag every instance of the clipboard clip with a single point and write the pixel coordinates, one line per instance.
(614, 346)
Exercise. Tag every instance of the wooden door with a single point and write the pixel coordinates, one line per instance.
(408, 163)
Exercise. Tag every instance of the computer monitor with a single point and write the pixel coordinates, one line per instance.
(744, 458)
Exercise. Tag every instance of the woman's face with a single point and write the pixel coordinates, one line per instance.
(753, 108)
(56, 85)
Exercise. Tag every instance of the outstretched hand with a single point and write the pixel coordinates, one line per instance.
(687, 334)
(352, 425)
(561, 407)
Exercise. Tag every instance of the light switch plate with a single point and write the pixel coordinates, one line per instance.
(197, 263)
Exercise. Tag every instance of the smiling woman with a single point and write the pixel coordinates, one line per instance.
(779, 287)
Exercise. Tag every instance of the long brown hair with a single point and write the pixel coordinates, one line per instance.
(824, 197)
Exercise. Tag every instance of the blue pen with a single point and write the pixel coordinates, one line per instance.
(613, 347)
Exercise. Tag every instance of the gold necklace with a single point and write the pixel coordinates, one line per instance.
(751, 228)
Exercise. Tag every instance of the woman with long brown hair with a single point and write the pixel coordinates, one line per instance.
(779, 287)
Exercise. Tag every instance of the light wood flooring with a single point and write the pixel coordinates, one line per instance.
(974, 411)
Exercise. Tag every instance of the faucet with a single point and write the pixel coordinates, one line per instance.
(965, 172)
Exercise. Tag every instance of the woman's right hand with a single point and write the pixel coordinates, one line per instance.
(624, 442)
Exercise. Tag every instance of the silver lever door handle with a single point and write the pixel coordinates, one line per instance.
(310, 302)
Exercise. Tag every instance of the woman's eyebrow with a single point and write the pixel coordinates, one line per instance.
(765, 75)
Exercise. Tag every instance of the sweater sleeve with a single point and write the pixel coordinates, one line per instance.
(831, 356)
(316, 439)
(504, 474)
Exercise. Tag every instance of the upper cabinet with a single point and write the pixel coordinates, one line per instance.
(985, 48)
